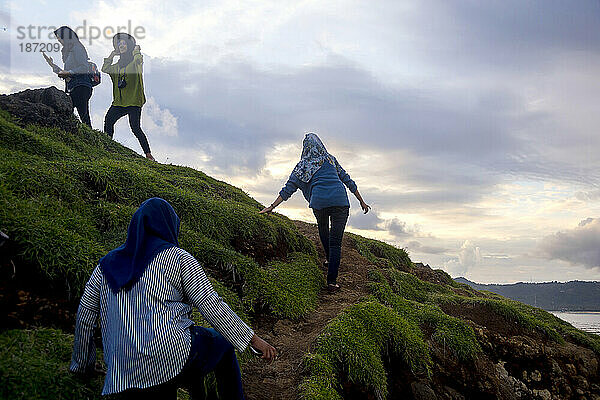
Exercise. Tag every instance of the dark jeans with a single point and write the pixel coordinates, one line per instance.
(332, 239)
(114, 113)
(210, 351)
(80, 96)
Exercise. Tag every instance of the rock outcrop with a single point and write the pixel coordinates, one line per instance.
(47, 107)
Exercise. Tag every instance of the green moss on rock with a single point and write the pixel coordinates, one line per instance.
(381, 253)
(355, 344)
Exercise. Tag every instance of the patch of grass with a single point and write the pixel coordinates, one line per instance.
(290, 288)
(52, 235)
(380, 253)
(449, 332)
(355, 345)
(410, 287)
(321, 383)
(34, 365)
(527, 317)
(66, 199)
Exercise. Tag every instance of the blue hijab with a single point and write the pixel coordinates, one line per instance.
(314, 154)
(153, 227)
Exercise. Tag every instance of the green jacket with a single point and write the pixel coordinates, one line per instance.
(133, 93)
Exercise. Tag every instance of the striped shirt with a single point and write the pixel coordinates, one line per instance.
(145, 330)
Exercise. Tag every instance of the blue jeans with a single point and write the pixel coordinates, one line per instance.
(210, 351)
(332, 239)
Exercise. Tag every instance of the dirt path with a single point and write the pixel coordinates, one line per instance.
(293, 339)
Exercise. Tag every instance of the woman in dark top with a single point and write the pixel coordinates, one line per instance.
(75, 72)
(321, 179)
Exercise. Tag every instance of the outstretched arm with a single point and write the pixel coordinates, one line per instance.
(84, 349)
(351, 185)
(201, 294)
(285, 193)
(363, 205)
(277, 202)
(55, 68)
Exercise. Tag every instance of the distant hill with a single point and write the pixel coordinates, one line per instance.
(572, 296)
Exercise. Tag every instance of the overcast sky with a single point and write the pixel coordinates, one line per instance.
(470, 127)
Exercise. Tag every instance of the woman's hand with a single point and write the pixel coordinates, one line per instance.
(64, 74)
(266, 210)
(365, 207)
(269, 353)
(48, 59)
(113, 54)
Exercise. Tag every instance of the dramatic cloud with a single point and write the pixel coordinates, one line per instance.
(588, 196)
(157, 121)
(399, 228)
(369, 221)
(512, 35)
(468, 256)
(580, 245)
(418, 247)
(456, 119)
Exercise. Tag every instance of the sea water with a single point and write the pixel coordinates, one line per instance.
(588, 321)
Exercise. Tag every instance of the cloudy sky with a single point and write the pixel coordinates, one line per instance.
(470, 127)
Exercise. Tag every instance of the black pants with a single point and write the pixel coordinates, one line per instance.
(210, 351)
(80, 96)
(114, 113)
(332, 239)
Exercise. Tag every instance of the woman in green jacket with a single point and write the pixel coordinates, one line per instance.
(128, 87)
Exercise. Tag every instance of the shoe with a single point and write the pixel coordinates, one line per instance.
(333, 287)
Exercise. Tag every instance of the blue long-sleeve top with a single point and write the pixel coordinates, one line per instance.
(324, 189)
(77, 64)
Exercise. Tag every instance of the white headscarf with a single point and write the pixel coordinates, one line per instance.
(314, 154)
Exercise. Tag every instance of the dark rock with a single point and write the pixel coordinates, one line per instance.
(452, 394)
(588, 367)
(570, 369)
(536, 376)
(46, 107)
(580, 382)
(556, 368)
(542, 394)
(422, 391)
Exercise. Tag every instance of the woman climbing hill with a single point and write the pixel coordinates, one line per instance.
(321, 179)
(128, 88)
(143, 293)
(76, 71)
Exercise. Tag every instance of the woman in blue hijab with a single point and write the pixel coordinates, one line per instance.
(144, 292)
(321, 179)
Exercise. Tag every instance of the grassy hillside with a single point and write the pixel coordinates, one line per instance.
(66, 199)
